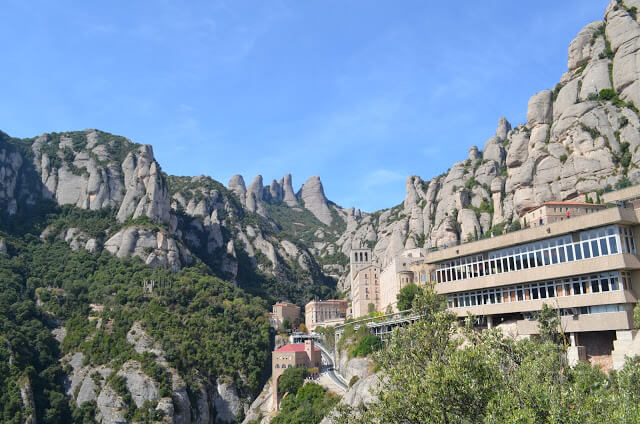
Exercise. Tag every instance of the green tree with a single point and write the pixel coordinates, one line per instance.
(549, 325)
(438, 372)
(292, 379)
(406, 295)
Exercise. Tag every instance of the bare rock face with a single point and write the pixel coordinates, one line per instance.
(236, 185)
(361, 393)
(255, 196)
(228, 404)
(154, 248)
(518, 151)
(110, 407)
(146, 190)
(261, 406)
(567, 96)
(474, 154)
(540, 108)
(503, 128)
(596, 78)
(470, 227)
(10, 165)
(493, 150)
(581, 48)
(141, 386)
(275, 191)
(623, 33)
(312, 195)
(289, 196)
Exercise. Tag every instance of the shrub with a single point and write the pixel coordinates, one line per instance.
(623, 121)
(563, 158)
(623, 182)
(353, 380)
(607, 94)
(367, 346)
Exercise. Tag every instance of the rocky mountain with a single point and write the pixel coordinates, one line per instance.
(168, 220)
(580, 137)
(101, 195)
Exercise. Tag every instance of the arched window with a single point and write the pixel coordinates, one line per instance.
(289, 366)
(277, 366)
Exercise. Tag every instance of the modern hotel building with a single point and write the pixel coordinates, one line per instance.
(585, 267)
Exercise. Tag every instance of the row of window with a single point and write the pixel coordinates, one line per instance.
(605, 241)
(596, 309)
(574, 286)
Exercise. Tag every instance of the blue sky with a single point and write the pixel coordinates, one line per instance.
(363, 93)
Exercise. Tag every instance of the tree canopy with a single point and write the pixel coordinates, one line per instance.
(436, 371)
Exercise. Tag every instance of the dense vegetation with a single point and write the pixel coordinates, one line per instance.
(309, 405)
(437, 372)
(406, 295)
(292, 379)
(205, 325)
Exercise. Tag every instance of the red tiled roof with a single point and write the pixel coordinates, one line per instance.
(294, 348)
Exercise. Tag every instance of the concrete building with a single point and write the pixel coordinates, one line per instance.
(291, 356)
(551, 212)
(408, 267)
(325, 313)
(587, 267)
(365, 291)
(284, 311)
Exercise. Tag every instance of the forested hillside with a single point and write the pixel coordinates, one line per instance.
(208, 328)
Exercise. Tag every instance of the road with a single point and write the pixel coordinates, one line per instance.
(328, 369)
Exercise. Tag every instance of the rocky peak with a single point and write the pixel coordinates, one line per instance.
(255, 196)
(275, 191)
(236, 185)
(503, 128)
(474, 154)
(312, 195)
(289, 196)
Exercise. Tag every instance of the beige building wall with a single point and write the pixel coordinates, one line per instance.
(408, 267)
(324, 312)
(551, 212)
(284, 311)
(365, 290)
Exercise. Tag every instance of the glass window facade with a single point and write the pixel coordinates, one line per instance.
(571, 286)
(604, 241)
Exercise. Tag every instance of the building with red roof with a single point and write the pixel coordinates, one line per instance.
(292, 356)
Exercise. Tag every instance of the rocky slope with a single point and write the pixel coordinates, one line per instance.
(217, 401)
(167, 220)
